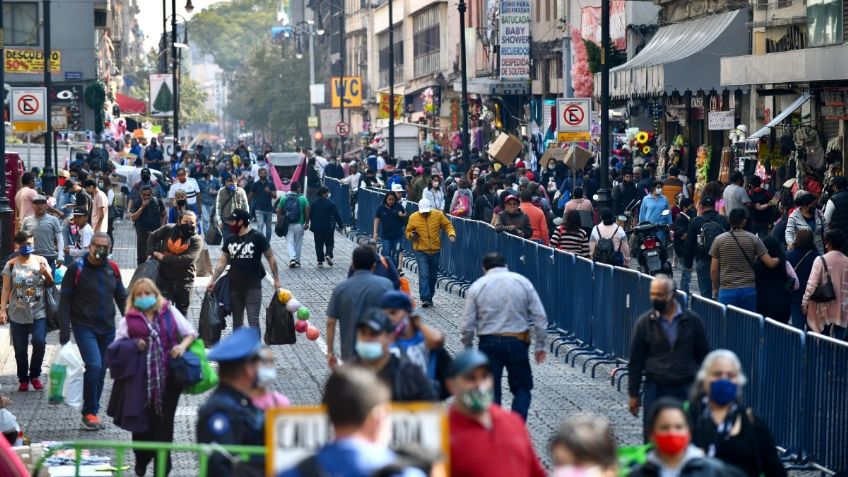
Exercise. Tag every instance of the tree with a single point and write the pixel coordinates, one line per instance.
(230, 30)
(616, 57)
(193, 108)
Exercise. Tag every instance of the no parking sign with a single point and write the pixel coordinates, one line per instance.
(27, 109)
(573, 123)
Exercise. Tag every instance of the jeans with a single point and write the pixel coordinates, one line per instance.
(745, 298)
(204, 218)
(20, 340)
(294, 241)
(52, 262)
(685, 280)
(510, 353)
(652, 391)
(178, 293)
(428, 272)
(392, 248)
(92, 347)
(705, 281)
(264, 219)
(324, 242)
(250, 299)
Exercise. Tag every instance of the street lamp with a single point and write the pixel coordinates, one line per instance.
(189, 7)
(464, 103)
(300, 29)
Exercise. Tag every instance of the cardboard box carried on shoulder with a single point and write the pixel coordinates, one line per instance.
(505, 148)
(578, 157)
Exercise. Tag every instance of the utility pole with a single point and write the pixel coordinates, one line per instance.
(567, 89)
(343, 92)
(176, 80)
(311, 82)
(7, 227)
(603, 192)
(48, 179)
(464, 102)
(391, 81)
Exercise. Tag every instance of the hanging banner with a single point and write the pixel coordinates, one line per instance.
(161, 95)
(384, 106)
(30, 61)
(515, 39)
(590, 24)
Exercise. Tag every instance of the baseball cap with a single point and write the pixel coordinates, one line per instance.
(468, 361)
(512, 197)
(424, 205)
(239, 214)
(708, 201)
(80, 211)
(396, 299)
(376, 321)
(39, 198)
(397, 187)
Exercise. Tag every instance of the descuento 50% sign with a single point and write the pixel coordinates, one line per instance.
(294, 433)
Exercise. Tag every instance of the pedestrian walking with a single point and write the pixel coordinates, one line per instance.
(80, 235)
(775, 285)
(836, 209)
(423, 229)
(538, 220)
(512, 219)
(91, 288)
(762, 211)
(435, 194)
(830, 316)
(700, 235)
(413, 339)
(384, 267)
(357, 404)
(262, 396)
(476, 423)
(375, 335)
(295, 207)
(324, 218)
(209, 186)
(153, 156)
(570, 236)
(243, 250)
(26, 278)
(24, 199)
(46, 231)
(229, 417)
(100, 207)
(389, 221)
(262, 195)
(176, 247)
(806, 216)
(725, 429)
(667, 346)
(147, 215)
(145, 397)
(503, 309)
(734, 255)
(608, 242)
(584, 444)
(801, 258)
(678, 241)
(735, 196)
(230, 198)
(350, 300)
(145, 181)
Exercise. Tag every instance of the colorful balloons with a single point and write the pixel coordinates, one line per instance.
(284, 295)
(312, 333)
(303, 313)
(293, 305)
(301, 326)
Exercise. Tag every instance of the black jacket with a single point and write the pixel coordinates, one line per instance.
(87, 300)
(697, 467)
(622, 195)
(652, 354)
(839, 219)
(324, 215)
(174, 268)
(691, 249)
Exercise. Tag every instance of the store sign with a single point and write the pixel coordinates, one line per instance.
(834, 104)
(24, 61)
(383, 113)
(515, 39)
(721, 120)
(349, 88)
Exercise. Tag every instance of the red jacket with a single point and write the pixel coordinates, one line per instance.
(538, 222)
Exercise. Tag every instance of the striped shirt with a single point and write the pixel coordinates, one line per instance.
(573, 242)
(736, 251)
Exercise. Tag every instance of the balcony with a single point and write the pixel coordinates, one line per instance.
(426, 64)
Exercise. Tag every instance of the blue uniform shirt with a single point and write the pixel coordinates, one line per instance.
(354, 458)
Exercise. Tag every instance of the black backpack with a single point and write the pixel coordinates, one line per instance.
(605, 251)
(709, 231)
(291, 207)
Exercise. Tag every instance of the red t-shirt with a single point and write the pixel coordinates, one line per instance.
(505, 450)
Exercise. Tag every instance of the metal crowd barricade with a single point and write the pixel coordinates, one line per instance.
(602, 316)
(783, 364)
(581, 304)
(826, 401)
(340, 195)
(745, 338)
(563, 279)
(625, 300)
(714, 318)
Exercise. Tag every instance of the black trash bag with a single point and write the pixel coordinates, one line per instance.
(214, 235)
(51, 300)
(279, 324)
(148, 269)
(210, 323)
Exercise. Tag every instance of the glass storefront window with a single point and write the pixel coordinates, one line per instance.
(824, 22)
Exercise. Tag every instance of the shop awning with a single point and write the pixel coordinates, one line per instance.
(783, 115)
(130, 105)
(682, 57)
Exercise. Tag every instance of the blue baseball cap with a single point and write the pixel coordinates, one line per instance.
(468, 361)
(396, 299)
(243, 344)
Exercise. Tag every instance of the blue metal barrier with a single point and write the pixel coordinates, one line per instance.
(625, 292)
(644, 303)
(825, 415)
(602, 316)
(782, 362)
(715, 320)
(340, 195)
(745, 338)
(581, 302)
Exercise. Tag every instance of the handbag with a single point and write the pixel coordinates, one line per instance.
(209, 377)
(185, 370)
(824, 292)
(51, 298)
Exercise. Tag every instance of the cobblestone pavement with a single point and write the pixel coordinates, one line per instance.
(559, 389)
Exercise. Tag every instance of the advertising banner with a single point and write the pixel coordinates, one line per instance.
(515, 39)
(590, 24)
(161, 95)
(24, 61)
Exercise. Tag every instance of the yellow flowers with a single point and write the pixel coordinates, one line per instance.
(642, 137)
(646, 150)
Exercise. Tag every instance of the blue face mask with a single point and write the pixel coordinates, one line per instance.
(723, 391)
(231, 188)
(144, 302)
(369, 351)
(25, 250)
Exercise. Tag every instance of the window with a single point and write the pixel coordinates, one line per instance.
(20, 23)
(426, 41)
(383, 45)
(824, 22)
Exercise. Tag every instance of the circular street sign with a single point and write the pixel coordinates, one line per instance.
(27, 105)
(573, 115)
(343, 129)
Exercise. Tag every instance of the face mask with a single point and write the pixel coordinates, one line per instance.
(658, 190)
(265, 376)
(723, 391)
(187, 229)
(62, 181)
(670, 442)
(477, 400)
(235, 228)
(101, 253)
(144, 302)
(100, 185)
(369, 350)
(25, 250)
(181, 203)
(145, 178)
(659, 305)
(401, 327)
(231, 188)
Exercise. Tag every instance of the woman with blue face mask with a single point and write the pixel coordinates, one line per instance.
(722, 426)
(26, 277)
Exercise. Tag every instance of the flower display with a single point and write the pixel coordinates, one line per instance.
(642, 137)
(640, 143)
(646, 150)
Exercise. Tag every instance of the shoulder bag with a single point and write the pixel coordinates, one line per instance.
(824, 292)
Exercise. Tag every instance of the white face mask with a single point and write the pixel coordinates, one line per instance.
(266, 375)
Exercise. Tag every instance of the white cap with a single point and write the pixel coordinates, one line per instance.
(397, 187)
(425, 206)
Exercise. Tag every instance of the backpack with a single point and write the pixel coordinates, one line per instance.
(709, 231)
(291, 206)
(605, 251)
(81, 263)
(461, 206)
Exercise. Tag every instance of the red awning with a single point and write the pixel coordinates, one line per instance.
(130, 105)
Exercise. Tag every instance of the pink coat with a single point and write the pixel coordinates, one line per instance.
(834, 312)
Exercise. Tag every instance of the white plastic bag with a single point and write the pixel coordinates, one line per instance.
(66, 377)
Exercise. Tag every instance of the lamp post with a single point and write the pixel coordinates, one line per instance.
(603, 192)
(342, 61)
(464, 103)
(175, 65)
(48, 180)
(7, 227)
(391, 81)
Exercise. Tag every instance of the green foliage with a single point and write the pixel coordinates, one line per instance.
(230, 30)
(616, 57)
(193, 103)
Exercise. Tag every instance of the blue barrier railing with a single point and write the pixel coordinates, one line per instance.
(797, 383)
(340, 195)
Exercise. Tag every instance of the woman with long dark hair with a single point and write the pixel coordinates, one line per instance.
(569, 236)
(801, 258)
(775, 285)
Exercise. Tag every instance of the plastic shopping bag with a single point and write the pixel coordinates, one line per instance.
(210, 324)
(279, 324)
(210, 377)
(148, 269)
(66, 377)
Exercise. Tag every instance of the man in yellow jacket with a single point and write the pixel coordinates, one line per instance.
(423, 230)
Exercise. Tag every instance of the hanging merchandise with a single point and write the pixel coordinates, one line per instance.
(95, 98)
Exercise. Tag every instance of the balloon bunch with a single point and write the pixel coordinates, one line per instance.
(302, 313)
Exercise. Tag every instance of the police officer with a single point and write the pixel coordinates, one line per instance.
(228, 417)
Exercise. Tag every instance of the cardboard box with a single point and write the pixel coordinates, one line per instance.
(552, 154)
(505, 148)
(577, 157)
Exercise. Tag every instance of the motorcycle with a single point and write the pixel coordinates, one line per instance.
(652, 253)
